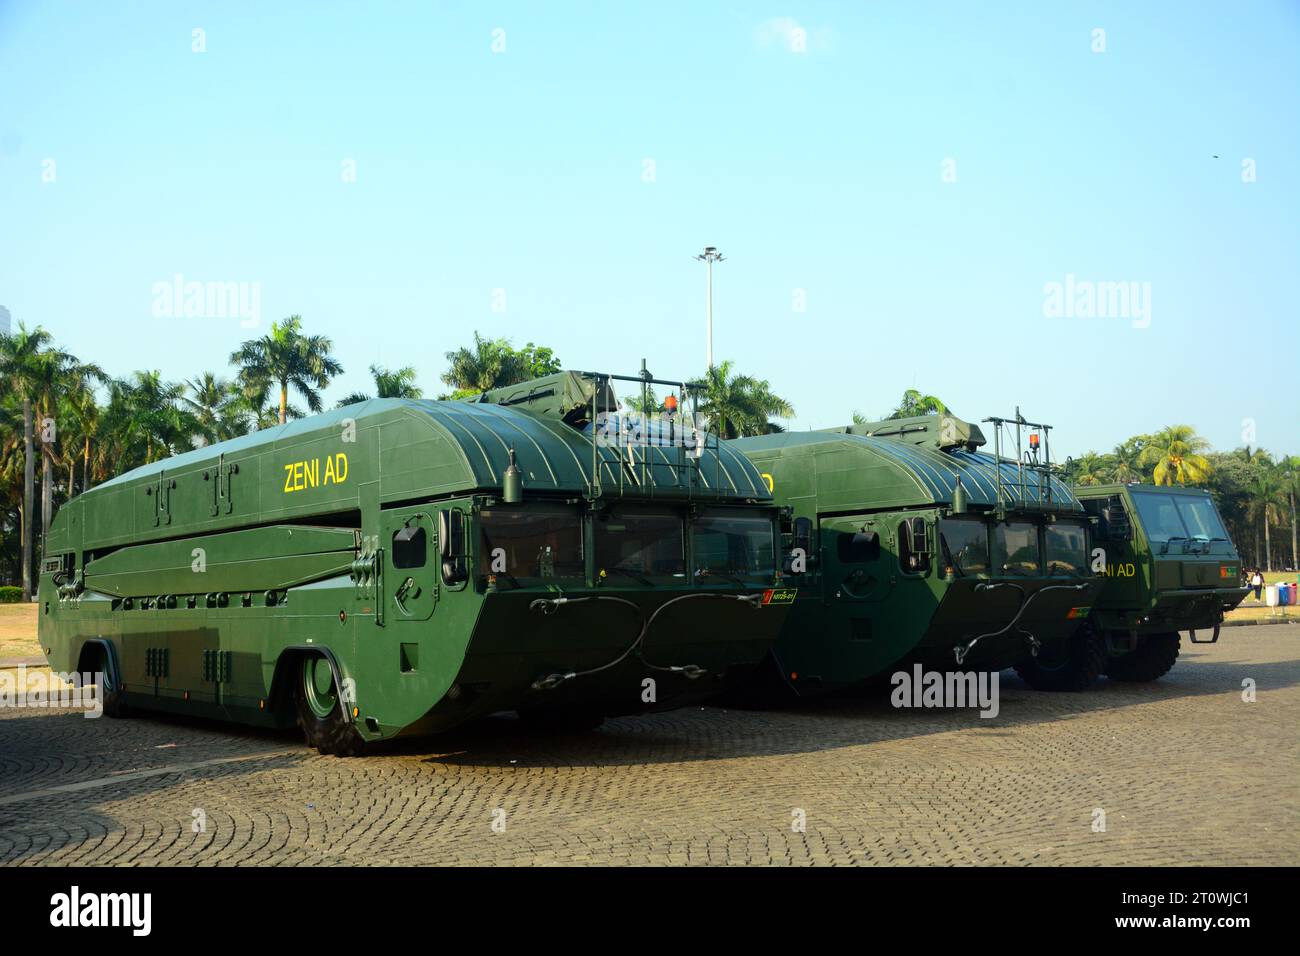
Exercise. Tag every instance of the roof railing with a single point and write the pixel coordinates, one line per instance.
(687, 457)
(1032, 459)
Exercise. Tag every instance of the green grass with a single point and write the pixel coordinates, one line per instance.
(18, 631)
(1274, 577)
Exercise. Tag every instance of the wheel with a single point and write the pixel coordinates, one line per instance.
(110, 685)
(562, 721)
(1154, 655)
(1072, 664)
(320, 711)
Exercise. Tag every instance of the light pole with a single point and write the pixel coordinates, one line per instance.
(710, 256)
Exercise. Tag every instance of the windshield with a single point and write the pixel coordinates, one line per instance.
(1160, 518)
(1201, 518)
(733, 545)
(1067, 548)
(638, 546)
(1015, 548)
(520, 543)
(964, 545)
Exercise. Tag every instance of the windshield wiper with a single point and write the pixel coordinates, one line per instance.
(631, 574)
(728, 575)
(1019, 572)
(1169, 541)
(954, 563)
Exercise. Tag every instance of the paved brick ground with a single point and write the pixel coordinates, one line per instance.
(1185, 770)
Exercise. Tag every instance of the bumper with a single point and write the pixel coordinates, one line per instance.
(616, 652)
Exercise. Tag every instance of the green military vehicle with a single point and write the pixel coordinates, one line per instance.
(1168, 566)
(400, 566)
(908, 545)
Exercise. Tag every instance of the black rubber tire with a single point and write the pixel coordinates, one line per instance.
(110, 692)
(561, 721)
(1083, 660)
(332, 735)
(1154, 656)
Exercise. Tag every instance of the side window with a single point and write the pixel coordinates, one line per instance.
(451, 539)
(860, 547)
(1097, 508)
(913, 546)
(801, 540)
(1114, 524)
(410, 546)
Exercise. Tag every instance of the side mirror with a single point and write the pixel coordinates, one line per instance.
(920, 536)
(444, 534)
(451, 545)
(800, 544)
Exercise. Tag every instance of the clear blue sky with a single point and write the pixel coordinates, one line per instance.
(524, 170)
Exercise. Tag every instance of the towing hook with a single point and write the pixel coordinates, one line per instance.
(959, 653)
(552, 681)
(690, 671)
(1034, 644)
(547, 605)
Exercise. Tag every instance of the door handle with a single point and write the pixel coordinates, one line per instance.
(399, 596)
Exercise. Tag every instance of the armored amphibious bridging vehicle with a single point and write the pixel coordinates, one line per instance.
(402, 566)
(908, 545)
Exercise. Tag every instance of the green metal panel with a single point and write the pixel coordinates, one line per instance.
(301, 530)
(316, 466)
(1149, 589)
(944, 432)
(854, 620)
(254, 559)
(850, 472)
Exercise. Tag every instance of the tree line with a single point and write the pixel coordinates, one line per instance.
(1256, 492)
(67, 425)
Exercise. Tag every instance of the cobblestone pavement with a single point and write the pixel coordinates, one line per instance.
(1184, 769)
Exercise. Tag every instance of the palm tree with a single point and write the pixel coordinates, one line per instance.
(1175, 451)
(389, 383)
(22, 368)
(56, 370)
(914, 403)
(1291, 484)
(11, 483)
(146, 419)
(1266, 497)
(218, 407)
(82, 410)
(651, 405)
(286, 357)
(490, 363)
(740, 405)
(1088, 469)
(1128, 459)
